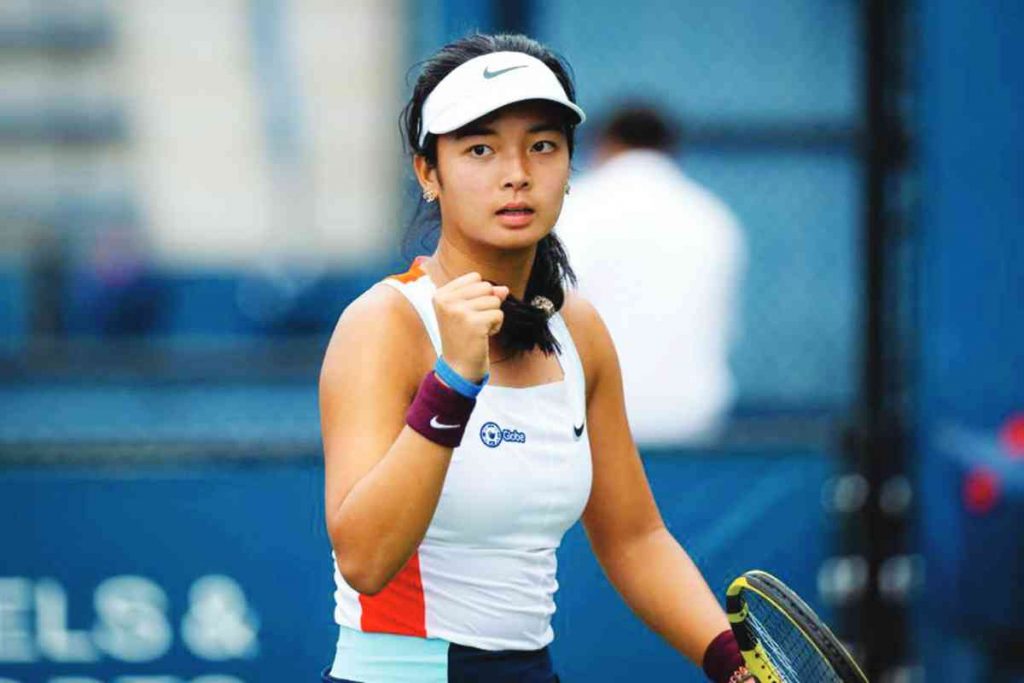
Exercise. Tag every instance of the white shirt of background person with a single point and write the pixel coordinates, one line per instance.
(660, 257)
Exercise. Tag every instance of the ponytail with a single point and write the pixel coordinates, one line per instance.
(526, 326)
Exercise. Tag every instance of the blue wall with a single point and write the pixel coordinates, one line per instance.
(141, 552)
(971, 114)
(971, 155)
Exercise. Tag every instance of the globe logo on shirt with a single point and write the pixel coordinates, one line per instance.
(492, 435)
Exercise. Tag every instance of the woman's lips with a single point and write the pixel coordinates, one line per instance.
(515, 218)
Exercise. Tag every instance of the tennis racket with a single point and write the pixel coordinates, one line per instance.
(781, 639)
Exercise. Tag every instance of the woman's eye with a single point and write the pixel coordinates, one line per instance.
(479, 150)
(543, 146)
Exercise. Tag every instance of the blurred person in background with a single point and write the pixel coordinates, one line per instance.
(472, 410)
(654, 250)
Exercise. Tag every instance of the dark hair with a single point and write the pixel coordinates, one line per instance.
(641, 125)
(525, 327)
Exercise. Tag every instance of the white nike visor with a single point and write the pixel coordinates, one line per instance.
(488, 82)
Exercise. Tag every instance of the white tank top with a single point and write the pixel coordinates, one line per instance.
(484, 574)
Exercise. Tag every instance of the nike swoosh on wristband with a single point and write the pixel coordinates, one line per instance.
(491, 74)
(440, 425)
(578, 431)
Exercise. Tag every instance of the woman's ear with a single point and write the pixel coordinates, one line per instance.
(426, 174)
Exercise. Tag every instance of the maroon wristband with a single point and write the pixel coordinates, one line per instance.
(439, 412)
(722, 658)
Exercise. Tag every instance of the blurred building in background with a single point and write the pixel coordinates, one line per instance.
(191, 142)
(230, 159)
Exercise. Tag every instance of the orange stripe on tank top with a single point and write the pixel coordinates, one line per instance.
(399, 608)
(415, 272)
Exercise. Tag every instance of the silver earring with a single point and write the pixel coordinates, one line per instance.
(567, 188)
(429, 195)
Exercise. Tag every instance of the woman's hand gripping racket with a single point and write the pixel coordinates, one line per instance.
(781, 639)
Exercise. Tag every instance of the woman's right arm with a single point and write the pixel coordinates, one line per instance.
(383, 479)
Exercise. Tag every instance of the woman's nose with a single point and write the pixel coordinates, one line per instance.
(517, 175)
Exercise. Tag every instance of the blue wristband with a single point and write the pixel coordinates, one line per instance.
(456, 381)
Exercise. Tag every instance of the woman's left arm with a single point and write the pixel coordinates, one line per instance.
(644, 562)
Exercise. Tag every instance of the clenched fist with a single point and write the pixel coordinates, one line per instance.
(468, 312)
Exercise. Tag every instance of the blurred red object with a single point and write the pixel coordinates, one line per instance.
(981, 490)
(1012, 435)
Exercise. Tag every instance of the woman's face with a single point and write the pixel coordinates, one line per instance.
(517, 155)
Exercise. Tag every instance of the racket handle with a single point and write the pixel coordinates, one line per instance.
(760, 666)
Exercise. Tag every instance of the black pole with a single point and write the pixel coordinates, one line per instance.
(879, 618)
(871, 624)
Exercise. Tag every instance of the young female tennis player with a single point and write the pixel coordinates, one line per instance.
(472, 410)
